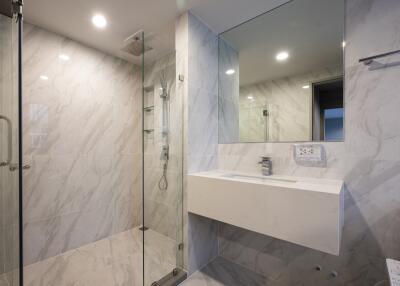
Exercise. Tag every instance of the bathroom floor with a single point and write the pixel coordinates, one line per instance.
(221, 272)
(116, 260)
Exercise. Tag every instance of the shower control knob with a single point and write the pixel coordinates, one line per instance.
(14, 167)
(333, 274)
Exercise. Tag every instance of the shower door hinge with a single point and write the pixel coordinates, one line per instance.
(17, 7)
(181, 78)
(180, 246)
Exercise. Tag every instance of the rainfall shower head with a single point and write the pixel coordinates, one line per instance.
(133, 45)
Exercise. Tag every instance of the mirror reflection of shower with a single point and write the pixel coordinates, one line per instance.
(163, 182)
(266, 119)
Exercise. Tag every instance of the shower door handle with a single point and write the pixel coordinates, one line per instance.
(9, 141)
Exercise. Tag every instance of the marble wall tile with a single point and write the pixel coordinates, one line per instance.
(82, 131)
(368, 161)
(203, 83)
(202, 241)
(202, 132)
(197, 62)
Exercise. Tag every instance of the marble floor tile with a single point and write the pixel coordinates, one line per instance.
(10, 278)
(115, 260)
(5, 280)
(221, 272)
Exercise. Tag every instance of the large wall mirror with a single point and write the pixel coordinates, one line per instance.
(281, 75)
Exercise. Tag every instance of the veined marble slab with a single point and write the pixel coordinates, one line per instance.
(114, 261)
(304, 211)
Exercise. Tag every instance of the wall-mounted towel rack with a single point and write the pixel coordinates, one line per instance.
(369, 60)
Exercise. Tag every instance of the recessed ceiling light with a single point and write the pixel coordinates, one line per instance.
(306, 86)
(64, 57)
(44, 77)
(230, 71)
(281, 56)
(99, 21)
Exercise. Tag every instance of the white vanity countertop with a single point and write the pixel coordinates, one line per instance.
(305, 211)
(304, 183)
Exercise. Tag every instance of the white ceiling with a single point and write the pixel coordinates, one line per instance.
(311, 31)
(72, 18)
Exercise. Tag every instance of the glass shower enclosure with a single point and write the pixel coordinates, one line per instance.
(10, 173)
(162, 172)
(125, 205)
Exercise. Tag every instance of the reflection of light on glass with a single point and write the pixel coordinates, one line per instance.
(39, 119)
(38, 112)
(38, 140)
(343, 44)
(281, 56)
(230, 71)
(64, 57)
(44, 77)
(306, 86)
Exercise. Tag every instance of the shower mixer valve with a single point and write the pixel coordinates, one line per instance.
(165, 153)
(164, 93)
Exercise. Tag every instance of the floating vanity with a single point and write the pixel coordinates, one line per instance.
(305, 211)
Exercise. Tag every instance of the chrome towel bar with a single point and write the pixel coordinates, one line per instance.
(367, 61)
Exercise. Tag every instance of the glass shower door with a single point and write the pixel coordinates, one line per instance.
(162, 118)
(9, 149)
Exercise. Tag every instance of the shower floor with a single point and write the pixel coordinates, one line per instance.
(116, 260)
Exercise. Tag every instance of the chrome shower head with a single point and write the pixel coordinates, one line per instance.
(133, 45)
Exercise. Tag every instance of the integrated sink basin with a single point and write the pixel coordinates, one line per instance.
(305, 211)
(258, 178)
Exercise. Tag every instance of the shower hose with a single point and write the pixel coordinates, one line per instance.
(163, 183)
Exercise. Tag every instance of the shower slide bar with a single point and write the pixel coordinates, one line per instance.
(367, 61)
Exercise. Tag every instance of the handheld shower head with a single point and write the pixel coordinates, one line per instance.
(164, 85)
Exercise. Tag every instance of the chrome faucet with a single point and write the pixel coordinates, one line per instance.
(266, 166)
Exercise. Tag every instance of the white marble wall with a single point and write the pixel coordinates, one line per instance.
(197, 61)
(289, 107)
(82, 137)
(228, 93)
(368, 161)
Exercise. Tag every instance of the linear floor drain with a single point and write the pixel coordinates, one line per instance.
(173, 278)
